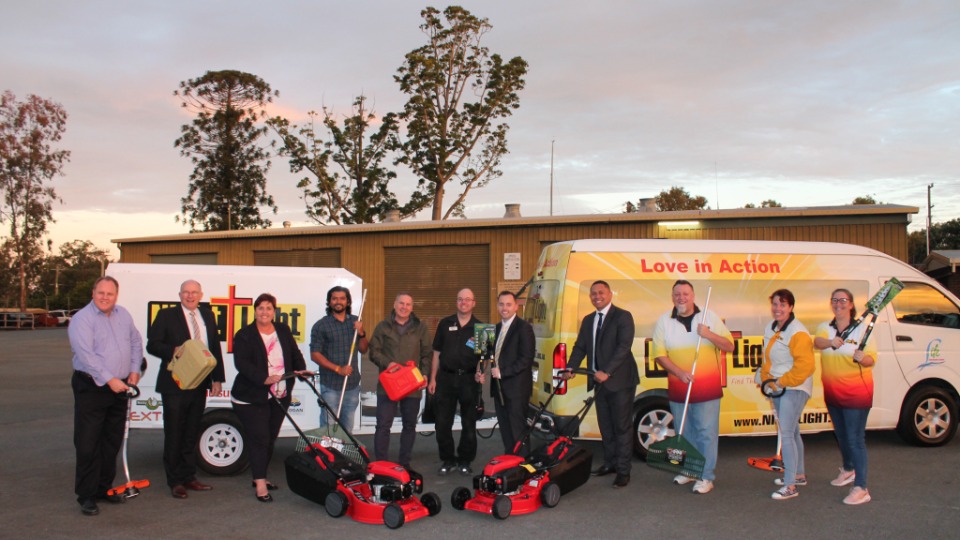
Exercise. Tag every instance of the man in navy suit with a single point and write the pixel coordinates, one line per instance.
(512, 373)
(182, 409)
(606, 339)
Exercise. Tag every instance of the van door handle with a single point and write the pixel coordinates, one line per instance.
(904, 338)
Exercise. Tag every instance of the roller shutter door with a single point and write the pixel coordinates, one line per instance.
(433, 275)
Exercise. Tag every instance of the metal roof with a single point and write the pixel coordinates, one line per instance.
(684, 215)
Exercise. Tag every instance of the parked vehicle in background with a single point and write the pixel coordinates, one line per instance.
(62, 315)
(45, 320)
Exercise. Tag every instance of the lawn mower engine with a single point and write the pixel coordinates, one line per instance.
(509, 485)
(390, 482)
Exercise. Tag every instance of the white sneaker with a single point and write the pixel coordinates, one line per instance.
(800, 481)
(845, 478)
(857, 495)
(786, 492)
(703, 486)
(681, 479)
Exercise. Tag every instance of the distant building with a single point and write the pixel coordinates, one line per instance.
(434, 259)
(942, 265)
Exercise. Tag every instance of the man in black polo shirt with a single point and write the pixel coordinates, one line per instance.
(453, 380)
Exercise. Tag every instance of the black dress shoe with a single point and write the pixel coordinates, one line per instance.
(89, 507)
(621, 481)
(270, 487)
(603, 470)
(265, 498)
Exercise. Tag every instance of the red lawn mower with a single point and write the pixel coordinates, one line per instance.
(369, 492)
(514, 485)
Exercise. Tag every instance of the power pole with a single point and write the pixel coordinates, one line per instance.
(929, 221)
(551, 176)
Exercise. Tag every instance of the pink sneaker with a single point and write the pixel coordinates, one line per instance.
(845, 478)
(857, 495)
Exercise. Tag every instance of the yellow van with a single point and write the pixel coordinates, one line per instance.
(917, 334)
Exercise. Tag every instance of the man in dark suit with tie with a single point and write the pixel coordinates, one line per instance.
(606, 339)
(512, 373)
(182, 409)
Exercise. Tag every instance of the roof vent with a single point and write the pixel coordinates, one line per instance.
(513, 210)
(392, 216)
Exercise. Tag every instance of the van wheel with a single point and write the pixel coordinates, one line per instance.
(652, 422)
(220, 446)
(928, 417)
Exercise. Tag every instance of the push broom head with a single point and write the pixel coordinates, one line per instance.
(678, 456)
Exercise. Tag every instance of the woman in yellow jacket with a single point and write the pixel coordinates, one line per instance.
(788, 360)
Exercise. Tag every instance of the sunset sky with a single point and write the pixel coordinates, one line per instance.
(810, 103)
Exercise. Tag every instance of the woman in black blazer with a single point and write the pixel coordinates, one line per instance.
(263, 351)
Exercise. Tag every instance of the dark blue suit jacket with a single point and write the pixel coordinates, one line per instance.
(614, 354)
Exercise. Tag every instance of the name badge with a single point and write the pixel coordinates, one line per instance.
(453, 329)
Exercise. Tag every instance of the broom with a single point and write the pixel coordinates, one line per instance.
(676, 455)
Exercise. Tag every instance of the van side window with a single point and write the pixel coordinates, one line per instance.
(919, 303)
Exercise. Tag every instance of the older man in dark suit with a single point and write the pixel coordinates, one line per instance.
(606, 339)
(182, 409)
(512, 373)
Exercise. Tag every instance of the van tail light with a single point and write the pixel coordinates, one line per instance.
(560, 364)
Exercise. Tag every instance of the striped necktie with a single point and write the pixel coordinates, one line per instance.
(195, 326)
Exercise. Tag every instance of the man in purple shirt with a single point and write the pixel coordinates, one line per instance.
(107, 353)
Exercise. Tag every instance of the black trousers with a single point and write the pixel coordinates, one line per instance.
(181, 429)
(98, 421)
(261, 426)
(456, 389)
(512, 417)
(615, 419)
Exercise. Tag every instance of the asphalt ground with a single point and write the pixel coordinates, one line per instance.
(915, 490)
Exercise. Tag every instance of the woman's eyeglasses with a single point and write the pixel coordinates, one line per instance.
(840, 301)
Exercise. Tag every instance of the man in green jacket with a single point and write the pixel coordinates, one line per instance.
(399, 338)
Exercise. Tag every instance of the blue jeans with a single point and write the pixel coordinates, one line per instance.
(702, 429)
(789, 406)
(351, 398)
(850, 426)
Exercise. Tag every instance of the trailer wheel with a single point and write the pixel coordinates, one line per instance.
(220, 447)
(550, 495)
(432, 502)
(928, 417)
(460, 497)
(502, 506)
(393, 516)
(336, 504)
(652, 422)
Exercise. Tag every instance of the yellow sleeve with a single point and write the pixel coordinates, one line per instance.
(801, 348)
